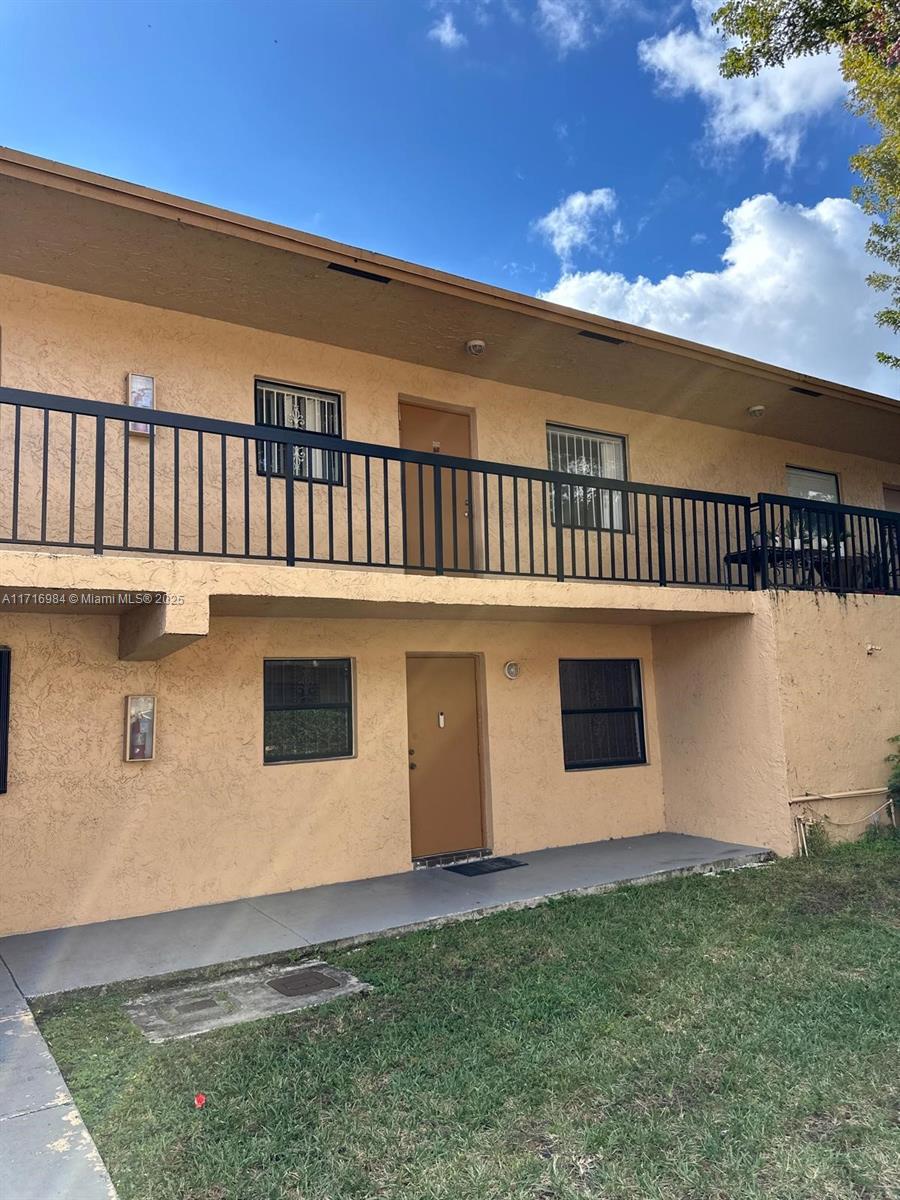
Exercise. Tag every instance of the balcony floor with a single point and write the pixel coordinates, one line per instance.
(232, 588)
(61, 960)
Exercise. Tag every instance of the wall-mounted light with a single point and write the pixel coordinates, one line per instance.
(511, 670)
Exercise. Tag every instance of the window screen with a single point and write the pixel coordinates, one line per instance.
(581, 452)
(602, 712)
(308, 709)
(812, 485)
(299, 408)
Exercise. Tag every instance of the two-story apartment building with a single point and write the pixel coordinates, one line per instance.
(400, 567)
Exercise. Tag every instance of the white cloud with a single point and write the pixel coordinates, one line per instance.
(576, 222)
(775, 105)
(791, 291)
(445, 32)
(568, 24)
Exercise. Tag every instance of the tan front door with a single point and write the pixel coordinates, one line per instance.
(436, 431)
(444, 760)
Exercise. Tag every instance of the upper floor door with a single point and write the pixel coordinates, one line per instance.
(892, 498)
(437, 431)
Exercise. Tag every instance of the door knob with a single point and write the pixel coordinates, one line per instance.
(412, 766)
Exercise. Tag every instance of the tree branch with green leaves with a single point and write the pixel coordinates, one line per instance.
(866, 35)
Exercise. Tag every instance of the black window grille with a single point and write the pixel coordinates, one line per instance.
(287, 407)
(308, 709)
(602, 712)
(585, 452)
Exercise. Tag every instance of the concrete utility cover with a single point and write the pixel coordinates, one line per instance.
(194, 1008)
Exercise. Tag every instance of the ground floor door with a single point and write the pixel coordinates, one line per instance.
(436, 431)
(444, 759)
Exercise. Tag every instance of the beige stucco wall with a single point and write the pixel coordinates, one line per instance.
(66, 342)
(838, 670)
(757, 711)
(724, 766)
(86, 836)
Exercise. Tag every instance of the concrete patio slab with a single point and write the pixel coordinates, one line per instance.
(593, 867)
(12, 1002)
(159, 944)
(49, 1155)
(29, 1076)
(337, 911)
(59, 960)
(45, 1151)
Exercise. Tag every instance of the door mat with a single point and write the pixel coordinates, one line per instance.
(486, 866)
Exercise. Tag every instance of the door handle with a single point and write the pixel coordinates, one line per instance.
(412, 766)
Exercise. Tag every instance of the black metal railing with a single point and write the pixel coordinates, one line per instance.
(78, 474)
(814, 545)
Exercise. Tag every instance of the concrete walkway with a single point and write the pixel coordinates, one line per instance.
(88, 955)
(45, 1151)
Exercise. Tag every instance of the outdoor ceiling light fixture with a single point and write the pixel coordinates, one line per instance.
(476, 347)
(601, 337)
(511, 670)
(358, 272)
(805, 391)
(756, 411)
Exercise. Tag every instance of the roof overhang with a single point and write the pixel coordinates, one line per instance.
(75, 229)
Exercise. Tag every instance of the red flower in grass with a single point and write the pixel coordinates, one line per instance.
(199, 1100)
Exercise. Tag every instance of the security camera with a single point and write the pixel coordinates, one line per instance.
(476, 347)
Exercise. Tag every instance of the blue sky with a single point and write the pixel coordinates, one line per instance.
(445, 132)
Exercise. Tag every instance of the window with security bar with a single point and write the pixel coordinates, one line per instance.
(585, 452)
(308, 709)
(602, 712)
(289, 407)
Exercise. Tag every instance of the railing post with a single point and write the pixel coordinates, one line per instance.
(884, 548)
(558, 528)
(661, 541)
(289, 547)
(763, 545)
(436, 473)
(748, 541)
(100, 481)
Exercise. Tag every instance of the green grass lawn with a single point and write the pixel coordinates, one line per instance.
(727, 1038)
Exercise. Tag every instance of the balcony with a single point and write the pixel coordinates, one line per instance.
(101, 478)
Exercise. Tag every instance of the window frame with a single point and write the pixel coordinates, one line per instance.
(788, 467)
(350, 707)
(600, 526)
(300, 474)
(638, 709)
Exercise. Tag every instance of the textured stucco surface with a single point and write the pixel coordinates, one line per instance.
(840, 703)
(724, 766)
(76, 344)
(759, 698)
(87, 837)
